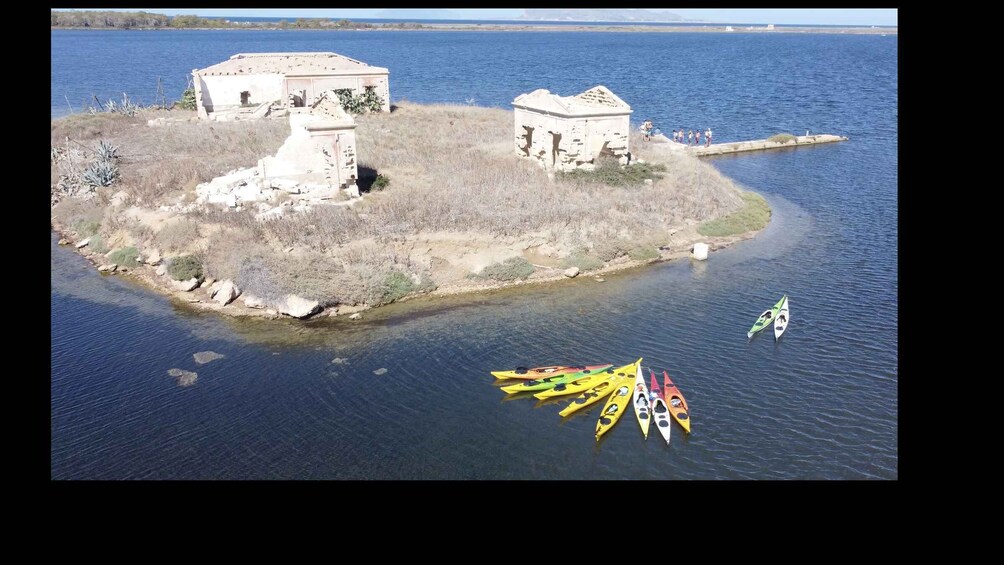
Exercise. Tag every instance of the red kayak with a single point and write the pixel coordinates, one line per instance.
(675, 401)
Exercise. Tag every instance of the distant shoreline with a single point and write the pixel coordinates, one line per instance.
(709, 28)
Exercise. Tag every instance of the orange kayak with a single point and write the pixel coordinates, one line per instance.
(675, 402)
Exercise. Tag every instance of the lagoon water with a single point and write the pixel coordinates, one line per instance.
(821, 403)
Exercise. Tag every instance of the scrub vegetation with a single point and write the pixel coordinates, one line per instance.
(459, 189)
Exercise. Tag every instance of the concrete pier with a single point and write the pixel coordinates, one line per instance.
(743, 146)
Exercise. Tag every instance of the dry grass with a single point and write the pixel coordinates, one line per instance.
(178, 235)
(82, 216)
(159, 162)
(454, 169)
(466, 176)
(85, 128)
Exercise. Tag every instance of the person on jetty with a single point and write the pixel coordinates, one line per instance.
(646, 128)
(690, 138)
(707, 138)
(674, 135)
(697, 136)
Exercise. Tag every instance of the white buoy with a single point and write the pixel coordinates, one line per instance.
(700, 251)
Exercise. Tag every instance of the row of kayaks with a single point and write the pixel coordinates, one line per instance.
(778, 314)
(620, 387)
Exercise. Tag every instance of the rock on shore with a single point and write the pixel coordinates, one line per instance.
(298, 307)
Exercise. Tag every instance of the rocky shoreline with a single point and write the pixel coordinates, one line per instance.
(225, 297)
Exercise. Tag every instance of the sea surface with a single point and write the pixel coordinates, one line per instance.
(406, 392)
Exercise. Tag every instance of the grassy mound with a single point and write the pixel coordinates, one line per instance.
(753, 216)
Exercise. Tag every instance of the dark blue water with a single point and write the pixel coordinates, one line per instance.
(822, 403)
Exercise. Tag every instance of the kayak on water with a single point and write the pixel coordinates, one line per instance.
(539, 372)
(766, 318)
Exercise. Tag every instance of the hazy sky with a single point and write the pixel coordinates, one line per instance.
(828, 16)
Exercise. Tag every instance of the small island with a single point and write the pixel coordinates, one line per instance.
(327, 201)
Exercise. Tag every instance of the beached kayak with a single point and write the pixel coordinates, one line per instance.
(766, 318)
(576, 386)
(781, 320)
(615, 407)
(676, 403)
(541, 372)
(549, 382)
(660, 413)
(642, 408)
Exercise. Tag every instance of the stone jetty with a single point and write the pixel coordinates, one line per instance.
(754, 145)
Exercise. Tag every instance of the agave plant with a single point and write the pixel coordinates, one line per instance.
(100, 173)
(107, 151)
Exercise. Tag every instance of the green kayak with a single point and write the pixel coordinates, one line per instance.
(550, 382)
(767, 318)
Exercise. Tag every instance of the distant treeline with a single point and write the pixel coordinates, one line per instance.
(146, 20)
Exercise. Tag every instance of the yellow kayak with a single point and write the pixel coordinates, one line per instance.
(584, 384)
(616, 405)
(551, 382)
(575, 386)
(599, 392)
(540, 372)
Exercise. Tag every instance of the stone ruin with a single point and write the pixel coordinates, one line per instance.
(315, 165)
(256, 85)
(565, 133)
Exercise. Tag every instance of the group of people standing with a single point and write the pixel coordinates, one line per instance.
(692, 137)
(648, 130)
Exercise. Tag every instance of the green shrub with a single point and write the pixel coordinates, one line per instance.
(643, 253)
(397, 285)
(126, 257)
(185, 267)
(511, 269)
(782, 138)
(97, 244)
(582, 260)
(611, 173)
(187, 100)
(86, 228)
(381, 182)
(753, 216)
(368, 101)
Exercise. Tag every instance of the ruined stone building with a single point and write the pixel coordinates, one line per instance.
(251, 82)
(320, 151)
(569, 132)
